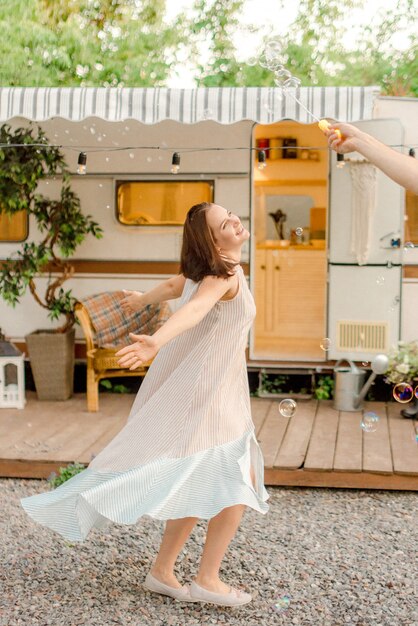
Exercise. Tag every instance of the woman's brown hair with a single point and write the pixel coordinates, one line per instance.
(199, 256)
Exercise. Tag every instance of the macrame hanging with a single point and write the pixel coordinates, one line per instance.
(363, 204)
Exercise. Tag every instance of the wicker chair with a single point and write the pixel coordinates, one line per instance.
(101, 362)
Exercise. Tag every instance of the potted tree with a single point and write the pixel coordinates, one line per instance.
(61, 227)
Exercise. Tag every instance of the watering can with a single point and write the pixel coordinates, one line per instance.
(350, 387)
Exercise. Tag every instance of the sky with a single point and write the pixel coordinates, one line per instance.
(265, 13)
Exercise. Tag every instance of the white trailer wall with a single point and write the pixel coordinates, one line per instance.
(406, 109)
(229, 169)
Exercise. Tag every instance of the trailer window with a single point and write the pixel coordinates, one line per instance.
(14, 227)
(411, 222)
(151, 203)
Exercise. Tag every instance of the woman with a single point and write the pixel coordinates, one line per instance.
(188, 450)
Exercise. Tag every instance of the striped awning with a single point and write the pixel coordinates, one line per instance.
(225, 105)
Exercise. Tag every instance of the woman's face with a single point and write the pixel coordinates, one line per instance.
(226, 228)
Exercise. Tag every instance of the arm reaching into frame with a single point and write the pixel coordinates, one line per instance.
(145, 347)
(399, 167)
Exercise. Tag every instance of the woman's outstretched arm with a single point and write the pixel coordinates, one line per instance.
(145, 347)
(399, 167)
(168, 290)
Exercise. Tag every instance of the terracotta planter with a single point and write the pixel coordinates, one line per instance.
(52, 362)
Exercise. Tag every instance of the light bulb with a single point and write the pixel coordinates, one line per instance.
(340, 161)
(82, 163)
(175, 163)
(262, 160)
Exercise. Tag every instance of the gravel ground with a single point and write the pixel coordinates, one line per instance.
(325, 557)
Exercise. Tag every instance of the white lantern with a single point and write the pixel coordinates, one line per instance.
(12, 377)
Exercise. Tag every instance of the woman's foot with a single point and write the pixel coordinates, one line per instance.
(181, 593)
(212, 584)
(233, 597)
(167, 578)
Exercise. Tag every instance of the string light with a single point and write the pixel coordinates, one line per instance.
(175, 163)
(262, 160)
(340, 160)
(82, 163)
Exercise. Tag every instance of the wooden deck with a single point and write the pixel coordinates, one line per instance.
(317, 447)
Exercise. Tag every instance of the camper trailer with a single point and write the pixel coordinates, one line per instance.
(331, 260)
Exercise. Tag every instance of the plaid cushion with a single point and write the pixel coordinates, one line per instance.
(112, 325)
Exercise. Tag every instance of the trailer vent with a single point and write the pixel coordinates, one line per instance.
(362, 336)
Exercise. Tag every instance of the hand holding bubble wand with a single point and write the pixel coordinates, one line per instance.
(286, 81)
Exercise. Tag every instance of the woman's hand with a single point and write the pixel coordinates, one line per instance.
(346, 140)
(133, 301)
(142, 350)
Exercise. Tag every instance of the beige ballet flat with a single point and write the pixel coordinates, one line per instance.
(183, 593)
(235, 597)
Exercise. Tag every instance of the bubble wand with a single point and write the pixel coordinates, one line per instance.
(322, 123)
(285, 80)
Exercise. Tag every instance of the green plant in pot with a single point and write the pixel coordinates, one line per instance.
(403, 363)
(61, 227)
(403, 368)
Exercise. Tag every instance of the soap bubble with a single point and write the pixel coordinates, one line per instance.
(416, 392)
(92, 130)
(408, 245)
(207, 114)
(131, 155)
(292, 83)
(287, 407)
(278, 95)
(273, 48)
(279, 82)
(267, 107)
(325, 344)
(252, 61)
(263, 61)
(403, 392)
(299, 231)
(107, 159)
(101, 185)
(380, 280)
(283, 75)
(369, 422)
(282, 604)
(149, 159)
(275, 65)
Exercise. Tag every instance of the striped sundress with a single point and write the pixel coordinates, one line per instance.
(189, 441)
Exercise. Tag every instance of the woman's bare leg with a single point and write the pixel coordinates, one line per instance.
(221, 530)
(175, 536)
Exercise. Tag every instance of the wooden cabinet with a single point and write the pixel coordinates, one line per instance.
(290, 293)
